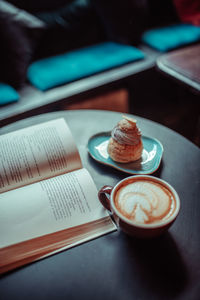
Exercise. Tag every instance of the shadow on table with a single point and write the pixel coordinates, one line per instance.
(159, 264)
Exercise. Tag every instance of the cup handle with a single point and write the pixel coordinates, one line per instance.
(104, 199)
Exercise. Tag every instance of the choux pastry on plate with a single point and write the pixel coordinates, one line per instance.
(125, 144)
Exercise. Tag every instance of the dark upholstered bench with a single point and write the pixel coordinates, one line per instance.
(33, 101)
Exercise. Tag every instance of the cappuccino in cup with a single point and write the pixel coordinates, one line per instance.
(143, 206)
(144, 201)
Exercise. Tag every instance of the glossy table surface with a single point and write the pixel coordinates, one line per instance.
(183, 65)
(116, 266)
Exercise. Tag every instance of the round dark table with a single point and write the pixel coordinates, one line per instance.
(116, 266)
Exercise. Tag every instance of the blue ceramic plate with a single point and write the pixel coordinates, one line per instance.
(149, 162)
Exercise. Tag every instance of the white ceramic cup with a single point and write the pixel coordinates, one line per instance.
(107, 195)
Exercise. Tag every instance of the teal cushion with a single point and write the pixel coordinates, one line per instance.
(7, 94)
(171, 37)
(53, 71)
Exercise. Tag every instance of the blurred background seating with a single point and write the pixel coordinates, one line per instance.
(32, 30)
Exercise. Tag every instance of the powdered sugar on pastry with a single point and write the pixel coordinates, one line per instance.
(126, 132)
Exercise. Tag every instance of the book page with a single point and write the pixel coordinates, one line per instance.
(37, 152)
(48, 206)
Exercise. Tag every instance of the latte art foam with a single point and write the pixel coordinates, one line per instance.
(145, 202)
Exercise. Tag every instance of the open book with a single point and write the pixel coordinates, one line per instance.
(48, 201)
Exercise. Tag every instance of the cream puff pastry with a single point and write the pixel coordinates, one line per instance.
(125, 144)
